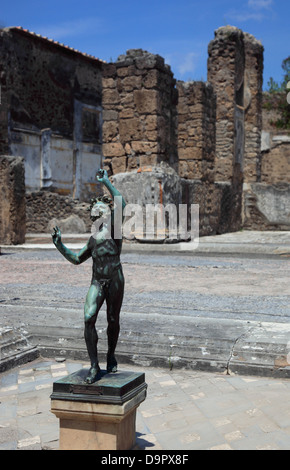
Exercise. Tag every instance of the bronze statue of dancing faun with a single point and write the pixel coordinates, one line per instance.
(107, 277)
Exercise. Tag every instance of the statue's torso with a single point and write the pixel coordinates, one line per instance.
(106, 256)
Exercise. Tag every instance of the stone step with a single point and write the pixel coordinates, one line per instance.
(15, 349)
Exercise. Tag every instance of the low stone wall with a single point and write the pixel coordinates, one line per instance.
(266, 206)
(45, 209)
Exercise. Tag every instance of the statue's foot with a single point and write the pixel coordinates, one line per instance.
(93, 375)
(112, 364)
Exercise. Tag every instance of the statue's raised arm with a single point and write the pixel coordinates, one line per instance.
(102, 177)
(74, 258)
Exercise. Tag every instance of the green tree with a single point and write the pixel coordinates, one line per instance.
(273, 87)
(286, 68)
(281, 91)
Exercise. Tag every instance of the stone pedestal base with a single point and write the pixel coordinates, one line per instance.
(100, 416)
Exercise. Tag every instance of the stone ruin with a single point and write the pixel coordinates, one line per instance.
(166, 141)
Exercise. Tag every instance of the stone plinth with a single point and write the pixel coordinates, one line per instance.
(99, 416)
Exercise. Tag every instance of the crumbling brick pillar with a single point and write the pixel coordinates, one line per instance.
(139, 112)
(196, 130)
(12, 200)
(253, 107)
(226, 65)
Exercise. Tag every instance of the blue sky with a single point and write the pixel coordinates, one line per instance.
(178, 30)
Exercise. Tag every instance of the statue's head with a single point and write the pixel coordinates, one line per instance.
(101, 208)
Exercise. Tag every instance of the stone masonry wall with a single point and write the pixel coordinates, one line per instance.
(196, 142)
(196, 130)
(46, 209)
(253, 107)
(275, 156)
(12, 200)
(139, 112)
(275, 165)
(42, 79)
(226, 73)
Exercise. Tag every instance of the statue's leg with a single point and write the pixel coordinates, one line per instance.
(94, 301)
(114, 303)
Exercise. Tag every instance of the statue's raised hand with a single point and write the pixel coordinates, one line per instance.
(56, 235)
(102, 176)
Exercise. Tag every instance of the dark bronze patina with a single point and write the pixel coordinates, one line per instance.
(107, 278)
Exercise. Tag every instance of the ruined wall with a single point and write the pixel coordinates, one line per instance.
(4, 110)
(275, 148)
(196, 143)
(196, 130)
(235, 68)
(46, 209)
(275, 163)
(51, 111)
(266, 201)
(226, 66)
(196, 152)
(253, 107)
(139, 112)
(12, 200)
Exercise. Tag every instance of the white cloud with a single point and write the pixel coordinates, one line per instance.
(255, 10)
(245, 16)
(260, 4)
(69, 28)
(188, 63)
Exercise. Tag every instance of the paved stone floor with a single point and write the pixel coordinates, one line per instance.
(184, 410)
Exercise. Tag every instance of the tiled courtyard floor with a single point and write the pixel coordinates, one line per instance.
(184, 410)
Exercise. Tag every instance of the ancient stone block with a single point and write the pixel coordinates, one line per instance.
(119, 164)
(114, 149)
(150, 80)
(110, 96)
(146, 101)
(190, 169)
(267, 206)
(110, 130)
(110, 115)
(130, 129)
(131, 82)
